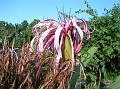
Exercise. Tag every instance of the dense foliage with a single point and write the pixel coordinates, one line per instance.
(99, 64)
(107, 38)
(21, 33)
(103, 66)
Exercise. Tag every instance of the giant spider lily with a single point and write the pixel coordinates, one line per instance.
(65, 38)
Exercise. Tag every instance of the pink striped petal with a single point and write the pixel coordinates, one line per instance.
(85, 25)
(79, 46)
(47, 45)
(57, 46)
(41, 40)
(56, 21)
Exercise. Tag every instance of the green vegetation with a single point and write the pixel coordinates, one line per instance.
(99, 58)
(22, 33)
(104, 66)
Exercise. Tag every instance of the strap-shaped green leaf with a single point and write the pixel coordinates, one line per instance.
(67, 49)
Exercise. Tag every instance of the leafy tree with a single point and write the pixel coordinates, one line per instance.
(107, 39)
(104, 64)
(2, 29)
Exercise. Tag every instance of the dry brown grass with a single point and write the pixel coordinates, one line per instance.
(30, 71)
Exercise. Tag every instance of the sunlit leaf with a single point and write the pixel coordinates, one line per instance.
(68, 49)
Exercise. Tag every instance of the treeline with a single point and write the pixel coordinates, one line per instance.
(107, 38)
(20, 33)
(104, 64)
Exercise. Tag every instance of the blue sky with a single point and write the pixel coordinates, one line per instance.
(16, 11)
